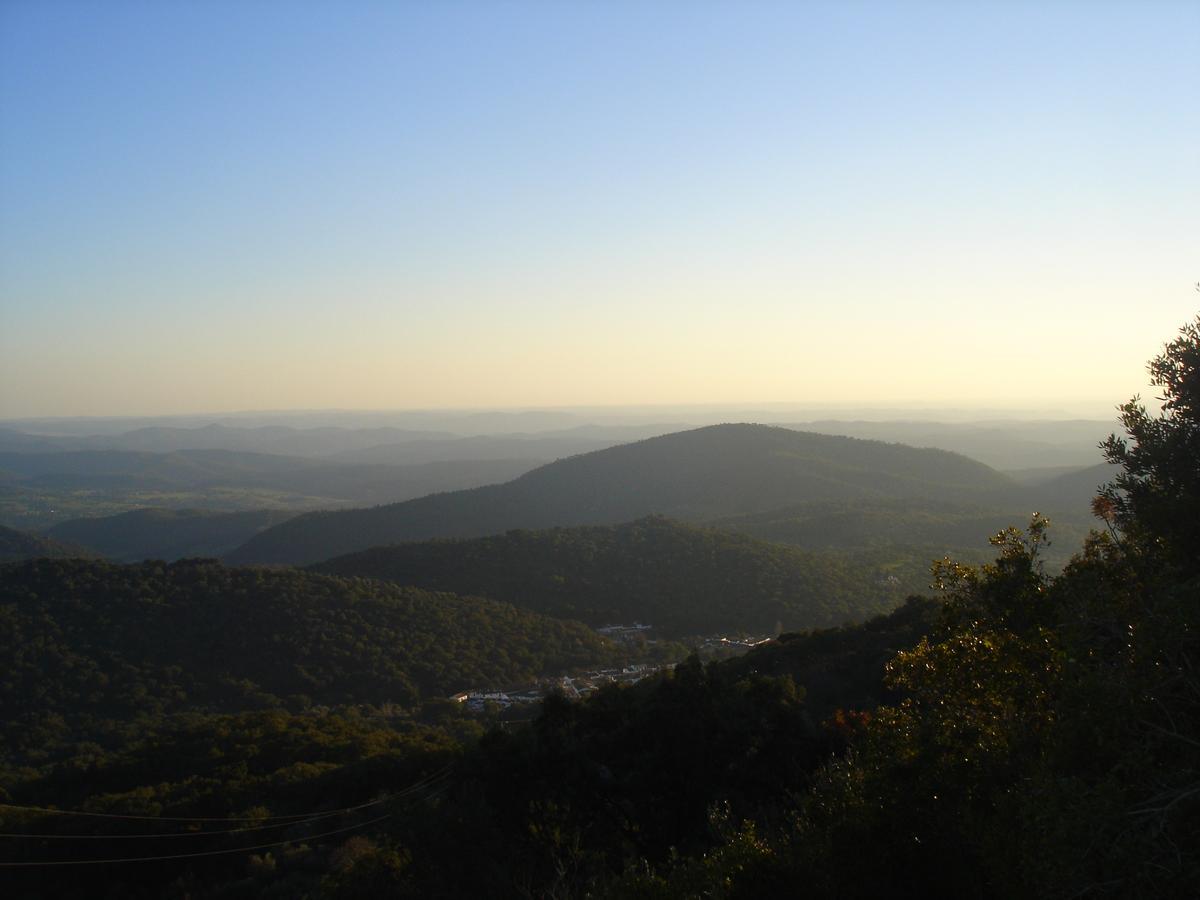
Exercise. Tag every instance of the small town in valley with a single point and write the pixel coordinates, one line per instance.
(574, 687)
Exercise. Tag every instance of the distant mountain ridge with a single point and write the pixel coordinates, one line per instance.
(191, 469)
(390, 445)
(42, 489)
(280, 439)
(1004, 444)
(697, 475)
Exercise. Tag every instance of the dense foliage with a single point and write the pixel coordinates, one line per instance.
(930, 529)
(1155, 497)
(633, 776)
(280, 777)
(684, 580)
(88, 649)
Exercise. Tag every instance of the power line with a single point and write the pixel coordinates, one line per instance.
(136, 859)
(92, 815)
(294, 818)
(175, 834)
(437, 791)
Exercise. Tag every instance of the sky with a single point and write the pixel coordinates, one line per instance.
(265, 205)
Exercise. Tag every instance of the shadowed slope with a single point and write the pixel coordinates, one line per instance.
(682, 579)
(696, 475)
(167, 533)
(98, 639)
(18, 545)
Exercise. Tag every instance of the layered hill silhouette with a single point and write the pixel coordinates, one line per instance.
(192, 470)
(167, 534)
(681, 579)
(18, 545)
(698, 475)
(1074, 490)
(39, 490)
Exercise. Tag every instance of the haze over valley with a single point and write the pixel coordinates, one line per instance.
(599, 451)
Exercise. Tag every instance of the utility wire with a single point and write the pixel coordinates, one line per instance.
(437, 791)
(174, 834)
(92, 815)
(137, 859)
(293, 818)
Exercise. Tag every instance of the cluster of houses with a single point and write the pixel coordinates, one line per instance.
(626, 634)
(577, 686)
(571, 686)
(748, 643)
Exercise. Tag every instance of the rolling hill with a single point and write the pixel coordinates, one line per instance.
(684, 580)
(18, 545)
(1076, 489)
(95, 639)
(697, 475)
(167, 534)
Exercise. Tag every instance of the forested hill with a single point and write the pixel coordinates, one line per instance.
(96, 639)
(17, 545)
(684, 580)
(723, 470)
(167, 533)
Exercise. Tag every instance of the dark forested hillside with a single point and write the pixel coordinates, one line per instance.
(82, 642)
(620, 776)
(695, 475)
(682, 579)
(167, 533)
(842, 668)
(923, 529)
(17, 545)
(855, 524)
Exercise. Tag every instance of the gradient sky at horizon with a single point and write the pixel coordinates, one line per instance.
(268, 205)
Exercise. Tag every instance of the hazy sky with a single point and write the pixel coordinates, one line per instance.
(214, 206)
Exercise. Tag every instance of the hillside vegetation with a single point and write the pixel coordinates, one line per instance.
(698, 475)
(919, 530)
(682, 579)
(84, 642)
(17, 545)
(167, 534)
(619, 772)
